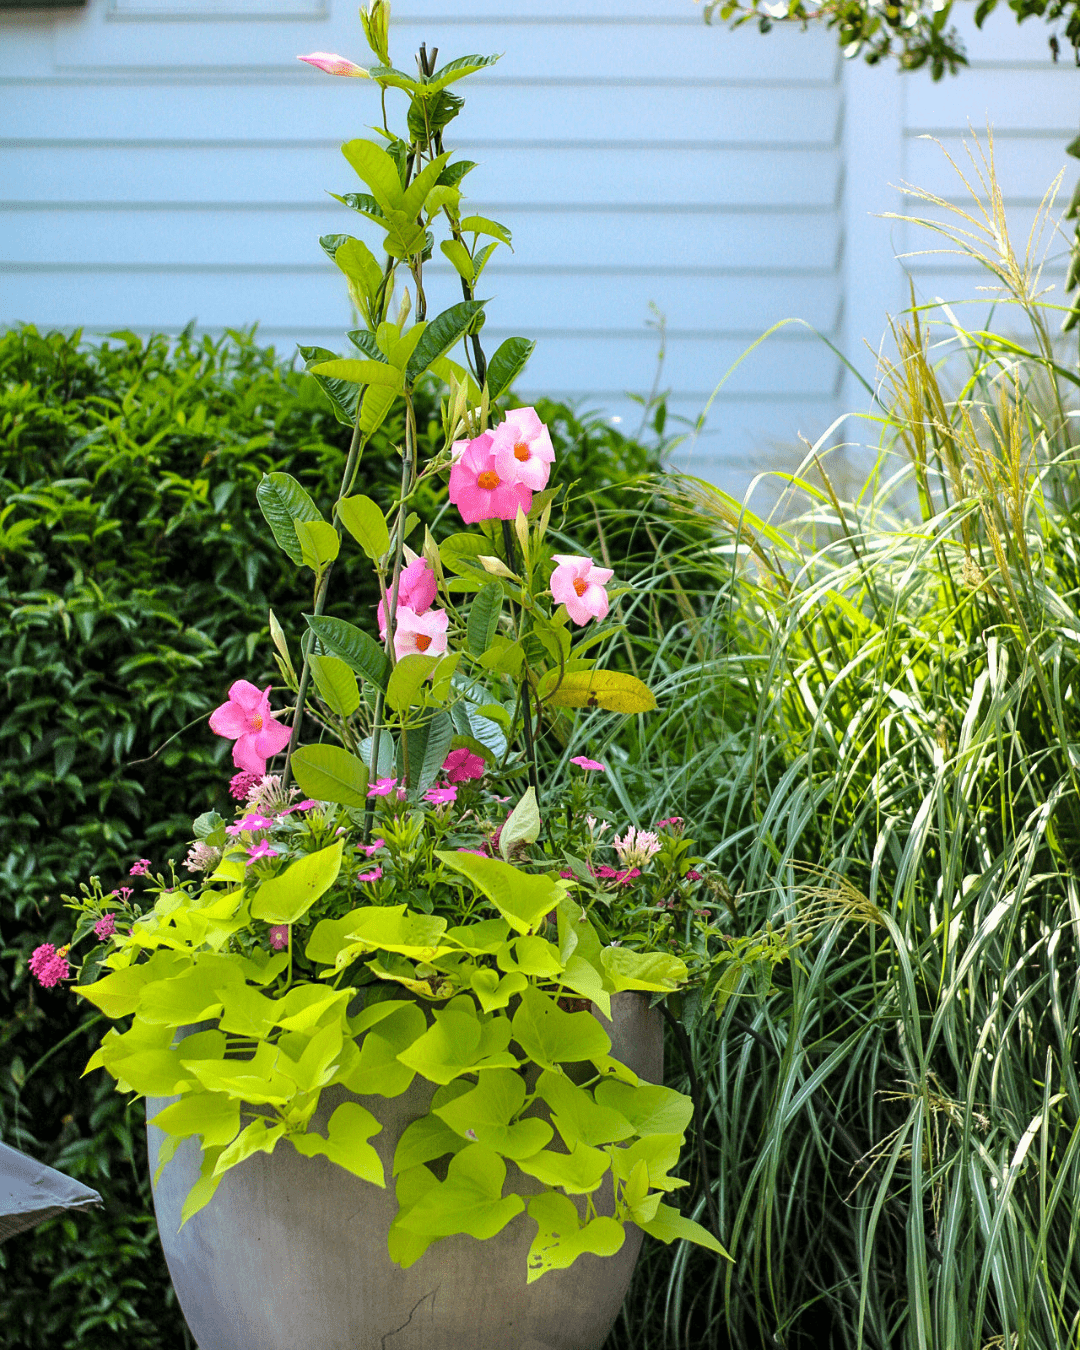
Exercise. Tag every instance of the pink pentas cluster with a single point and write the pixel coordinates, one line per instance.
(105, 927)
(49, 966)
(636, 847)
(496, 473)
(140, 868)
(240, 784)
(247, 719)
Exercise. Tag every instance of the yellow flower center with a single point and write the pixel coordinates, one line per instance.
(488, 480)
(256, 722)
(521, 451)
(580, 587)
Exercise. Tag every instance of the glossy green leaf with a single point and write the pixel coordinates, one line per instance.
(203, 1190)
(659, 1152)
(470, 1200)
(459, 258)
(453, 71)
(358, 263)
(215, 1118)
(344, 397)
(377, 169)
(378, 1071)
(407, 680)
(669, 1226)
(561, 1238)
(522, 898)
(327, 773)
(319, 543)
(288, 896)
(441, 334)
(416, 193)
(507, 362)
(360, 372)
(377, 404)
(353, 646)
(577, 1116)
(348, 1130)
(481, 225)
(367, 525)
(657, 971)
(282, 501)
(337, 688)
(578, 1172)
(649, 1108)
(483, 621)
(551, 1037)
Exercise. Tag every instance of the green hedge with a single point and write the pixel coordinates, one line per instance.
(135, 583)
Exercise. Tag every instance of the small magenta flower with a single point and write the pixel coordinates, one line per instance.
(373, 847)
(670, 823)
(334, 64)
(382, 787)
(589, 765)
(261, 850)
(306, 805)
(48, 966)
(417, 589)
(125, 893)
(105, 927)
(636, 847)
(246, 718)
(252, 821)
(462, 766)
(578, 585)
(523, 449)
(479, 490)
(278, 936)
(140, 868)
(439, 796)
(240, 784)
(692, 875)
(420, 633)
(373, 875)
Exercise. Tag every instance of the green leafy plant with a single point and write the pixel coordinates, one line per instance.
(469, 967)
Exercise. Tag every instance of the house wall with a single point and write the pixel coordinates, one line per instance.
(168, 160)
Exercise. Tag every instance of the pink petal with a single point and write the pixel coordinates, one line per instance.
(245, 754)
(273, 738)
(246, 695)
(229, 720)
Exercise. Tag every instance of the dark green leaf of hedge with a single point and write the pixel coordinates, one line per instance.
(354, 646)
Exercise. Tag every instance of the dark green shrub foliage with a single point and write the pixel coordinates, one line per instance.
(135, 584)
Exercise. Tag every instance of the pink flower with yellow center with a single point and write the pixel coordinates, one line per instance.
(523, 449)
(579, 585)
(247, 720)
(334, 64)
(420, 633)
(416, 591)
(480, 491)
(278, 936)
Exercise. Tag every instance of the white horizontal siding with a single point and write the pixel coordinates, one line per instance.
(166, 163)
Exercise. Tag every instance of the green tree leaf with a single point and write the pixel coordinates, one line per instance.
(376, 168)
(353, 645)
(337, 687)
(282, 501)
(408, 678)
(261, 1136)
(288, 896)
(577, 1117)
(425, 1140)
(658, 971)
(522, 826)
(441, 334)
(344, 397)
(319, 544)
(367, 525)
(360, 372)
(507, 362)
(486, 1114)
(481, 225)
(484, 618)
(453, 71)
(330, 774)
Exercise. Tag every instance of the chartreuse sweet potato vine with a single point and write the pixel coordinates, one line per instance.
(396, 924)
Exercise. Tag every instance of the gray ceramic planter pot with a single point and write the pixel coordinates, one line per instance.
(291, 1252)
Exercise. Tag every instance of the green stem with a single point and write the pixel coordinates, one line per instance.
(524, 691)
(308, 643)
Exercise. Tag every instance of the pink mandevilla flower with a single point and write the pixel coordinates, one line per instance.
(523, 449)
(278, 936)
(423, 634)
(479, 490)
(416, 591)
(461, 765)
(373, 875)
(105, 927)
(589, 765)
(246, 719)
(578, 585)
(334, 64)
(48, 966)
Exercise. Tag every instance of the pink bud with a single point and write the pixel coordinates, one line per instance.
(334, 64)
